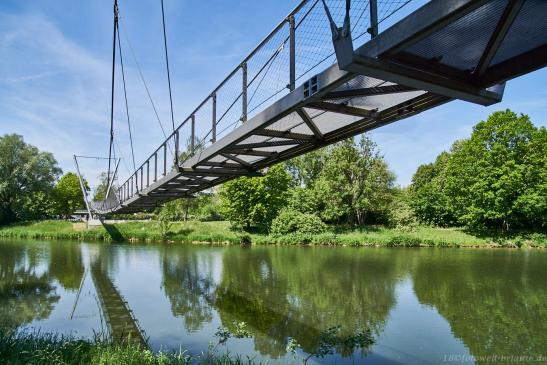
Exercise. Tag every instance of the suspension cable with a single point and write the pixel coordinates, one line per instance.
(126, 104)
(167, 64)
(145, 85)
(112, 91)
(116, 144)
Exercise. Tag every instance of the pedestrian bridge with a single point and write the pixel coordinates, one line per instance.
(334, 69)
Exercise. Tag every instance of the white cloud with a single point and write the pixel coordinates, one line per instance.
(56, 93)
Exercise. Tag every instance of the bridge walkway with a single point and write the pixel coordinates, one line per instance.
(442, 51)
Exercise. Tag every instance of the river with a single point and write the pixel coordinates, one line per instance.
(423, 306)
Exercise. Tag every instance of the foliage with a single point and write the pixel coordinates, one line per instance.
(240, 331)
(204, 207)
(99, 192)
(221, 233)
(208, 207)
(307, 168)
(305, 200)
(28, 176)
(401, 215)
(330, 341)
(290, 221)
(164, 223)
(428, 197)
(173, 210)
(255, 201)
(355, 184)
(199, 145)
(496, 178)
(51, 349)
(346, 182)
(67, 194)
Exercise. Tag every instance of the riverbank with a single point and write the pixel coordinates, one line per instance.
(221, 233)
(51, 349)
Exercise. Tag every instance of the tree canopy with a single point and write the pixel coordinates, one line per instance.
(496, 178)
(68, 194)
(347, 182)
(356, 183)
(28, 177)
(255, 201)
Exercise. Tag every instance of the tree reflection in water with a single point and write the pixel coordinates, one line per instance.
(287, 293)
(26, 294)
(281, 293)
(494, 301)
(66, 264)
(188, 283)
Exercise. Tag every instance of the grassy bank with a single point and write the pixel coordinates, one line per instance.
(50, 349)
(221, 233)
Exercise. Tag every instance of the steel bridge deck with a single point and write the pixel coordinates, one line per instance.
(445, 50)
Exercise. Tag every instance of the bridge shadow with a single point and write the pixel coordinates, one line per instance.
(114, 233)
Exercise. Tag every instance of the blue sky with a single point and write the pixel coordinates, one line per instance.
(55, 59)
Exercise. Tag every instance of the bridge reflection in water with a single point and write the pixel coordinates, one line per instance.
(122, 324)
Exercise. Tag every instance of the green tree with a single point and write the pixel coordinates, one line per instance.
(427, 194)
(255, 201)
(68, 194)
(100, 190)
(355, 183)
(204, 207)
(28, 176)
(401, 215)
(496, 178)
(307, 168)
(305, 200)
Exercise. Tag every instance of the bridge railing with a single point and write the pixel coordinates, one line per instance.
(299, 47)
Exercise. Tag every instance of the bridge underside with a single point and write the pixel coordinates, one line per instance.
(445, 50)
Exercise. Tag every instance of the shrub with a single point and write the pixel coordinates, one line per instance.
(404, 241)
(402, 217)
(293, 222)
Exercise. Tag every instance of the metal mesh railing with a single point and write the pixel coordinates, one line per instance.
(298, 48)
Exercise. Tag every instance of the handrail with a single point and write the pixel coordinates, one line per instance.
(225, 80)
(126, 191)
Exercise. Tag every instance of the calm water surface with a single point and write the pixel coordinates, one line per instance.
(423, 305)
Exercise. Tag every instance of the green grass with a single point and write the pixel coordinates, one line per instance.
(221, 233)
(416, 237)
(145, 231)
(52, 349)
